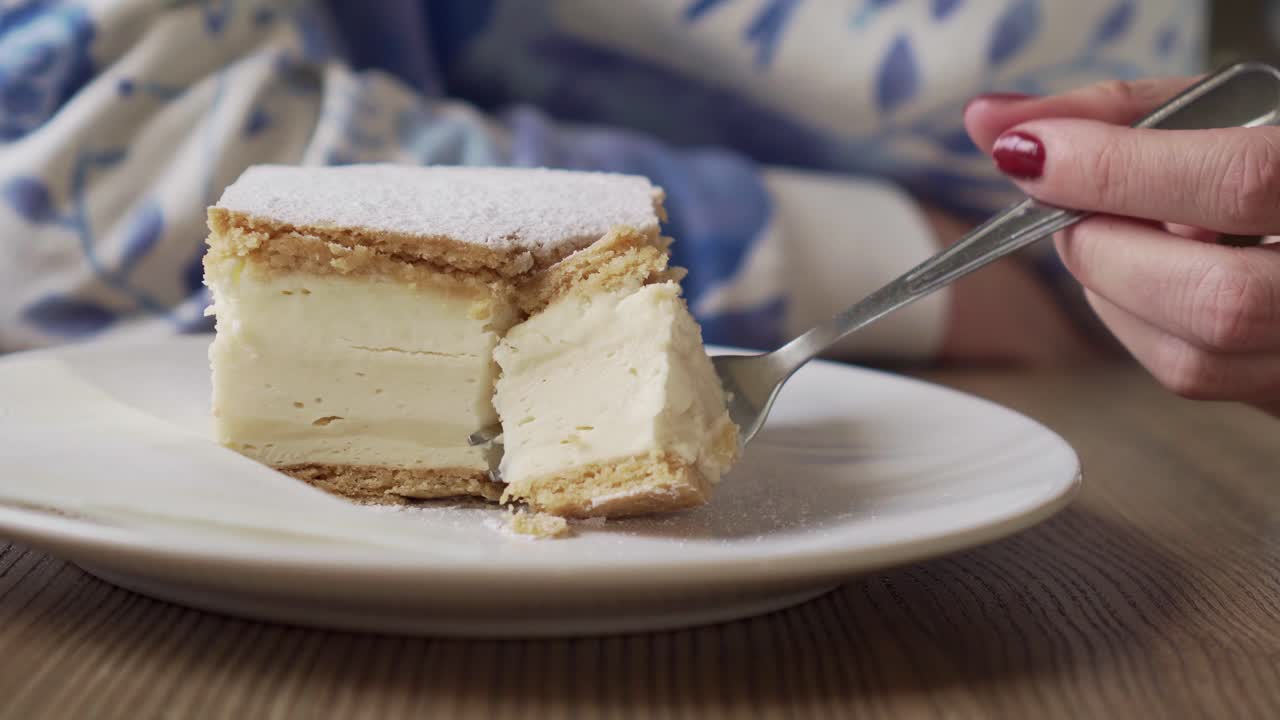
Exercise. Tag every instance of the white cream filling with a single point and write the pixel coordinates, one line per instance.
(603, 377)
(320, 369)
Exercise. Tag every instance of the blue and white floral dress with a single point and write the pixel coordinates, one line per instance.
(795, 138)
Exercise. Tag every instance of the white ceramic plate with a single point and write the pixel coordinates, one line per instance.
(856, 470)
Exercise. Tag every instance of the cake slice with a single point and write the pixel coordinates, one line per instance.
(360, 310)
(609, 403)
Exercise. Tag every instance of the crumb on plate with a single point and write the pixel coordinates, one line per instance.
(539, 525)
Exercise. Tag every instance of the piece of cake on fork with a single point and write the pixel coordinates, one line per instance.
(369, 318)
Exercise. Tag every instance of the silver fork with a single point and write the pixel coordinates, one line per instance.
(1241, 95)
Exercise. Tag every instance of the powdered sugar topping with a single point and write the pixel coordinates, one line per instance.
(536, 210)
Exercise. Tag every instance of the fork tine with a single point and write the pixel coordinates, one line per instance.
(484, 435)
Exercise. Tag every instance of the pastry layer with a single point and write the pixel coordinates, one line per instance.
(504, 220)
(393, 485)
(622, 260)
(608, 393)
(325, 251)
(636, 485)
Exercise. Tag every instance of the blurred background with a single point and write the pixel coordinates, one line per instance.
(1245, 28)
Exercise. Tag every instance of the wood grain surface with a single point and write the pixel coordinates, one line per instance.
(1156, 594)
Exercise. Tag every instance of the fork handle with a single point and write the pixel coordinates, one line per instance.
(1241, 95)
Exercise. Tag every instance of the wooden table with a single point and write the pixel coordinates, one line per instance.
(1156, 594)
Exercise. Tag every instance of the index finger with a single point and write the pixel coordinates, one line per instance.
(1118, 102)
(1225, 179)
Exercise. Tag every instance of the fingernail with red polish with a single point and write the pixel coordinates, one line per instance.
(1019, 155)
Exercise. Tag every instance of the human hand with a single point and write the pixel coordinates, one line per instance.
(1204, 318)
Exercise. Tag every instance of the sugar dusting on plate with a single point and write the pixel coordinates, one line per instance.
(511, 522)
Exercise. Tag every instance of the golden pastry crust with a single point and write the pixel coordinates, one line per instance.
(624, 258)
(257, 234)
(388, 485)
(283, 249)
(652, 482)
